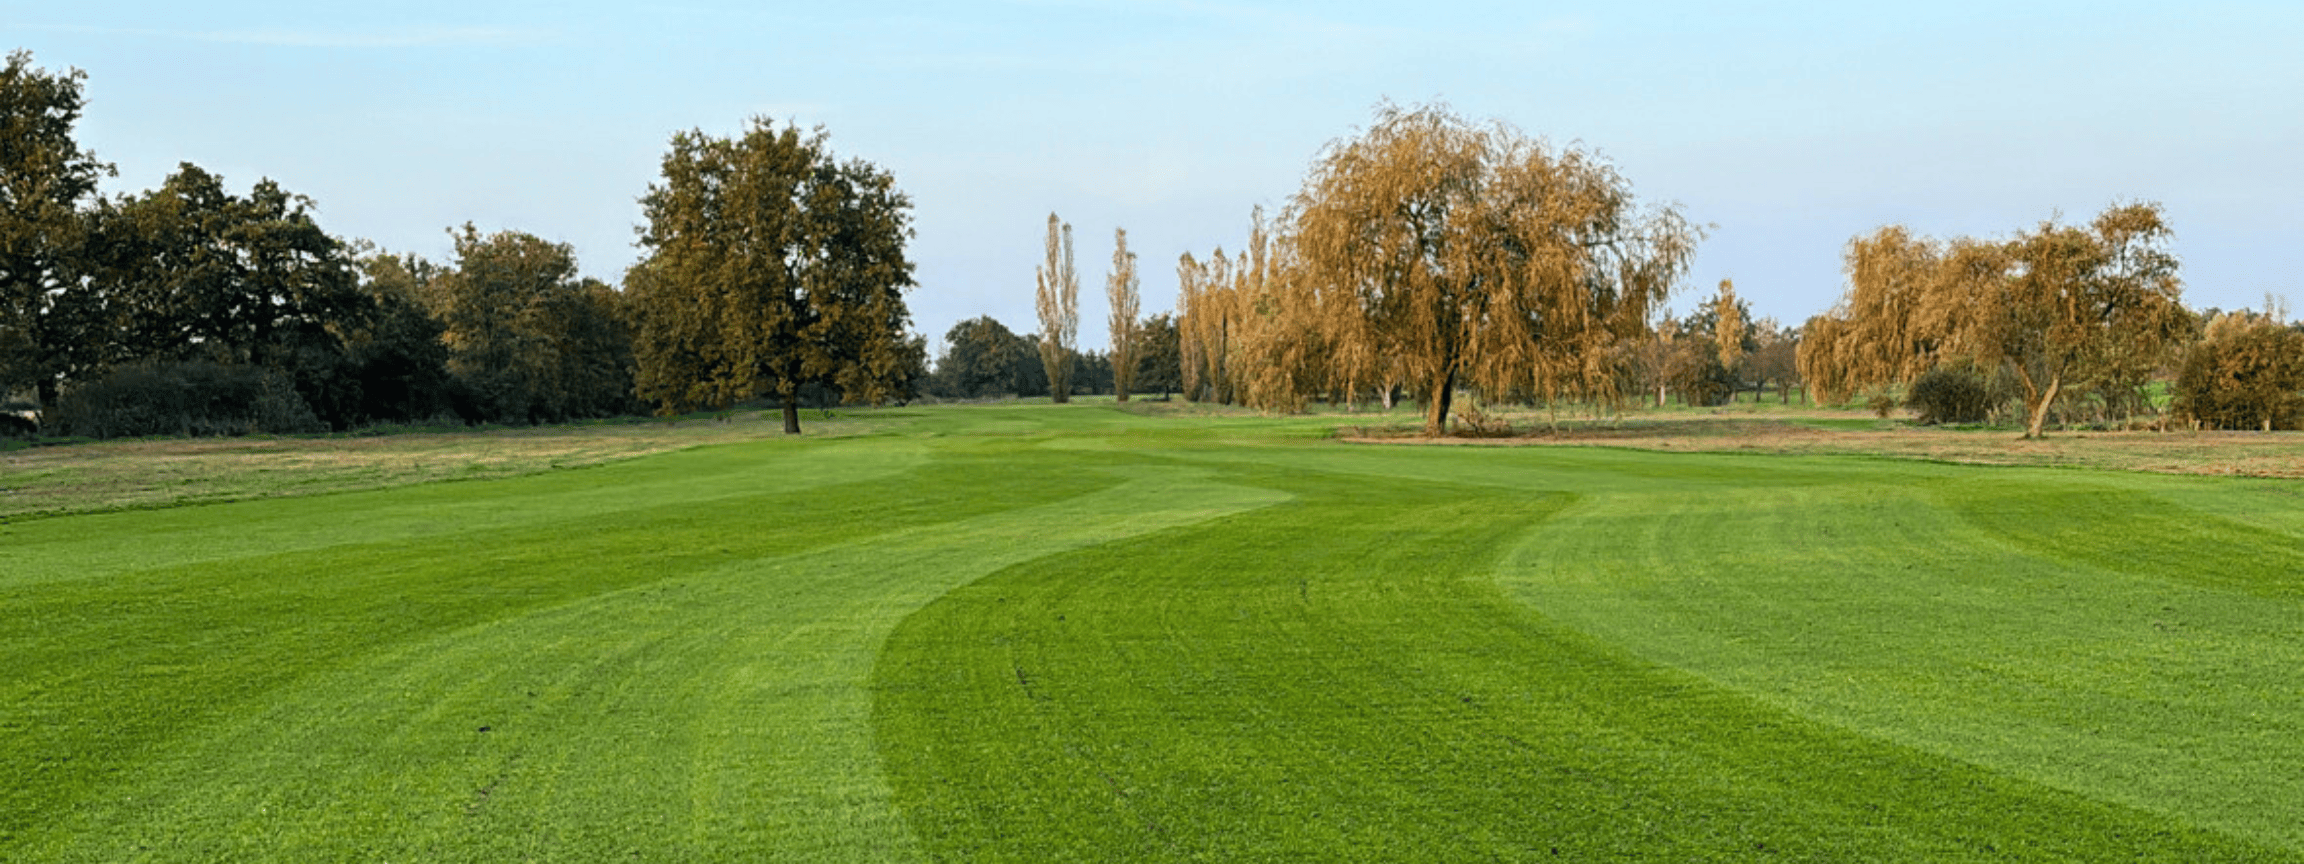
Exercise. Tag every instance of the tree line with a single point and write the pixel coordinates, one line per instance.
(773, 270)
(1426, 258)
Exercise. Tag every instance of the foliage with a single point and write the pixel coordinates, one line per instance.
(1159, 356)
(193, 398)
(527, 340)
(52, 329)
(2246, 373)
(1472, 255)
(771, 267)
(1122, 293)
(1954, 393)
(1776, 357)
(190, 271)
(1057, 297)
(2092, 308)
(983, 358)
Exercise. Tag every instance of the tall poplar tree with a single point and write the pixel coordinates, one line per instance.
(1120, 288)
(1058, 299)
(772, 267)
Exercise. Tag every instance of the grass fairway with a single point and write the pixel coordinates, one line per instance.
(1040, 633)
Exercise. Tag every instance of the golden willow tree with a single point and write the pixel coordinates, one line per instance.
(2058, 306)
(1058, 299)
(1120, 290)
(1476, 256)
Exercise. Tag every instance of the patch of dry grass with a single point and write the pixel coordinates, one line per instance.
(114, 475)
(1825, 432)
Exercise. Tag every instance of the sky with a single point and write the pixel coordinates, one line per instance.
(1787, 127)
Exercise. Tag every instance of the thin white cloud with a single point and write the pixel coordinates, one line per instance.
(395, 37)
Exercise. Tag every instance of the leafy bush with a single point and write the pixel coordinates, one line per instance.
(1881, 404)
(2247, 374)
(1954, 393)
(196, 399)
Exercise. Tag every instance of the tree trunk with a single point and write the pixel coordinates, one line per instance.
(791, 416)
(1436, 418)
(2040, 411)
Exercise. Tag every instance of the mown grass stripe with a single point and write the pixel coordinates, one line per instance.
(1336, 679)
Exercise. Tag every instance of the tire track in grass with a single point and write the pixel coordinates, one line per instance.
(1338, 679)
(720, 714)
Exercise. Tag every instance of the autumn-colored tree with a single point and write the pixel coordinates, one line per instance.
(1120, 289)
(1206, 315)
(1890, 327)
(1058, 300)
(2059, 306)
(1777, 358)
(1480, 257)
(1252, 321)
(1729, 332)
(2247, 373)
(771, 267)
(2079, 304)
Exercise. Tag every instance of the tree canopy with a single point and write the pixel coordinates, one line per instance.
(2097, 305)
(49, 334)
(771, 267)
(1472, 254)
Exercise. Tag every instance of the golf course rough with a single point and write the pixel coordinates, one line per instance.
(1033, 633)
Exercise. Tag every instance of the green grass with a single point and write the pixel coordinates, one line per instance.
(1040, 633)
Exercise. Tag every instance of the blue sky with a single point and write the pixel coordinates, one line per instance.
(1789, 128)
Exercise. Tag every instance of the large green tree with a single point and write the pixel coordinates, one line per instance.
(771, 267)
(50, 324)
(196, 272)
(528, 339)
(982, 357)
(191, 272)
(1159, 356)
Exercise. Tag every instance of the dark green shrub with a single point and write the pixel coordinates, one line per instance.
(196, 399)
(1953, 394)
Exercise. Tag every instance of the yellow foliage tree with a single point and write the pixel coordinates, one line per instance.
(1120, 291)
(1058, 300)
(1474, 255)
